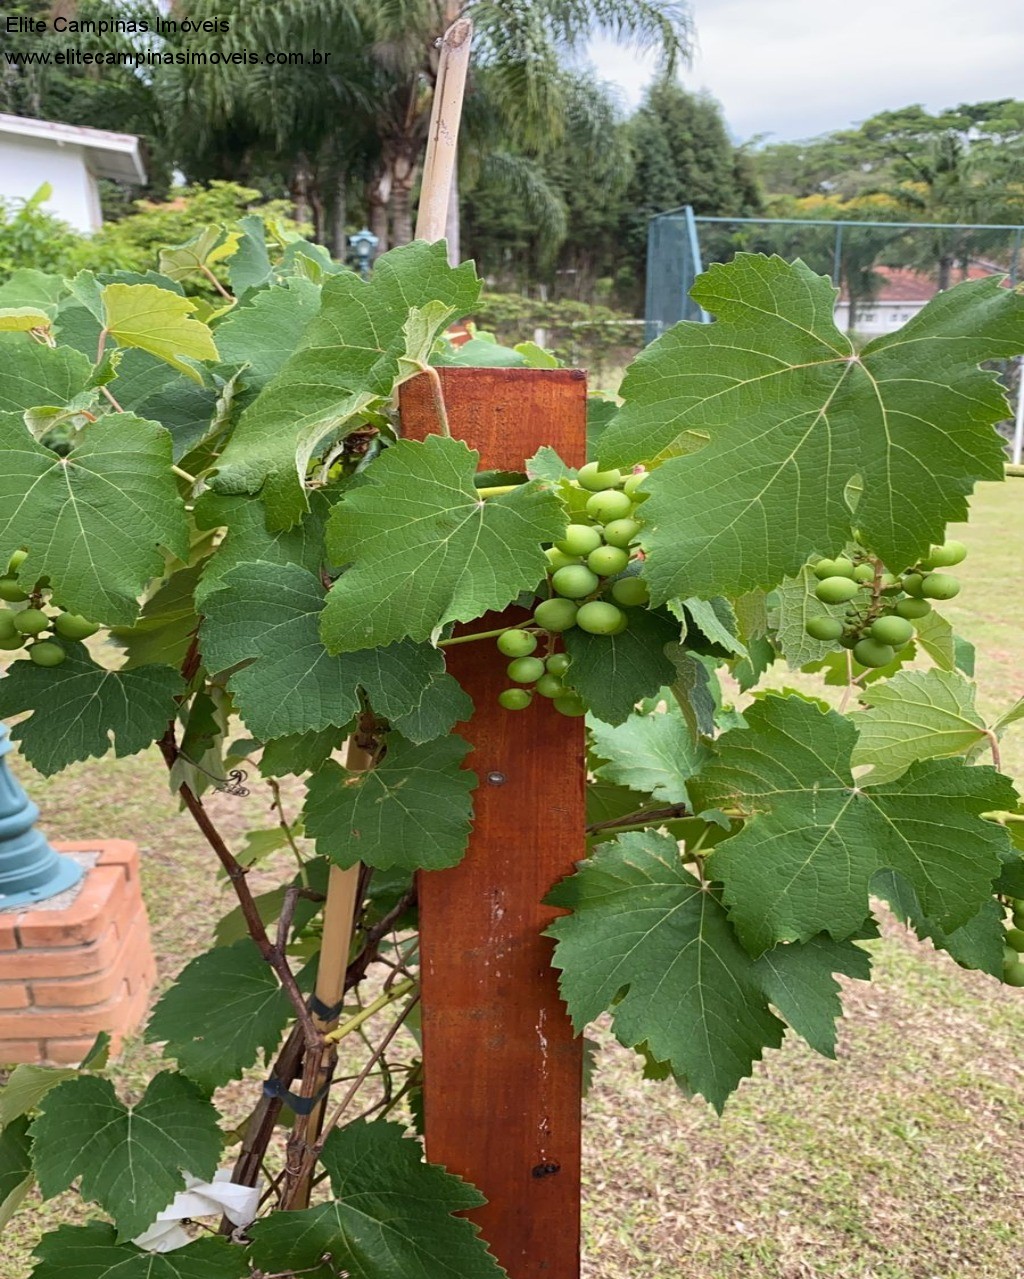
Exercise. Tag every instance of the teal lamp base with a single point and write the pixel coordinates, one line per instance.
(30, 870)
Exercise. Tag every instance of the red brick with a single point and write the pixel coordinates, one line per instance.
(14, 994)
(112, 1014)
(66, 1052)
(17, 1051)
(80, 993)
(112, 852)
(70, 961)
(98, 903)
(8, 937)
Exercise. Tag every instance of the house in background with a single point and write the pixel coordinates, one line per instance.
(900, 294)
(71, 159)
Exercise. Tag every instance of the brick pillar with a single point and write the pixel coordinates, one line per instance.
(72, 968)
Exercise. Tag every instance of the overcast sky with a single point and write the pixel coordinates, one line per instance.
(795, 68)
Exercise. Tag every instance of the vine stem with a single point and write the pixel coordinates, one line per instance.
(184, 475)
(993, 742)
(497, 490)
(477, 635)
(371, 1010)
(216, 283)
(437, 393)
(236, 874)
(848, 690)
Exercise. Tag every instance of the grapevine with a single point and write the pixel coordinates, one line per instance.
(210, 516)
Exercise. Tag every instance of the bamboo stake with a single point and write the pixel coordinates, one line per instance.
(443, 138)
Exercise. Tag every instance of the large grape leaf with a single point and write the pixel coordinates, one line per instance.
(916, 715)
(151, 389)
(128, 1159)
(79, 709)
(92, 1252)
(32, 375)
(97, 521)
(413, 810)
(391, 1217)
(271, 613)
(642, 922)
(654, 754)
(15, 1167)
(263, 334)
(225, 1006)
(977, 944)
(614, 672)
(425, 549)
(164, 629)
(368, 336)
(804, 861)
(160, 322)
(774, 412)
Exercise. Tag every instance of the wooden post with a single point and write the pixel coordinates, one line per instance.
(503, 1072)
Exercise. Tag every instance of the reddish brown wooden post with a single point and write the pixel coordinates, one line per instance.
(503, 1073)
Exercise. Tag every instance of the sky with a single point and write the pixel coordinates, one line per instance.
(796, 68)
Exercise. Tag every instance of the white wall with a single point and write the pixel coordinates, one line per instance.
(877, 317)
(26, 163)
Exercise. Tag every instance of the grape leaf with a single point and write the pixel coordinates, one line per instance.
(363, 342)
(977, 944)
(716, 620)
(613, 672)
(31, 375)
(164, 629)
(158, 321)
(271, 613)
(249, 540)
(95, 521)
(21, 319)
(783, 413)
(915, 715)
(641, 921)
(935, 636)
(15, 1167)
(92, 1252)
(79, 709)
(26, 1087)
(654, 754)
(152, 389)
(391, 1218)
(129, 1160)
(425, 550)
(265, 333)
(797, 604)
(250, 265)
(225, 1006)
(798, 981)
(413, 810)
(29, 287)
(804, 861)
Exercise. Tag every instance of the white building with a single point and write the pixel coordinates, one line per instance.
(900, 293)
(71, 159)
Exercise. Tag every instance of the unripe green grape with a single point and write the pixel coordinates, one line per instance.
(606, 561)
(946, 555)
(1018, 918)
(47, 653)
(558, 663)
(557, 559)
(19, 558)
(912, 583)
(550, 686)
(623, 625)
(836, 590)
(7, 627)
(74, 627)
(574, 581)
(31, 621)
(839, 567)
(590, 477)
(824, 628)
(599, 618)
(896, 631)
(524, 670)
(609, 505)
(11, 643)
(870, 653)
(512, 643)
(621, 532)
(1015, 938)
(864, 573)
(630, 591)
(579, 539)
(912, 609)
(940, 586)
(1010, 956)
(1013, 974)
(889, 580)
(631, 486)
(555, 615)
(848, 641)
(11, 591)
(515, 699)
(574, 707)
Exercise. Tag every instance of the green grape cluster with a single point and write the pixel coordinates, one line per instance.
(33, 626)
(532, 674)
(1013, 946)
(883, 607)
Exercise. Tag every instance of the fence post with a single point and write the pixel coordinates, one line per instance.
(503, 1073)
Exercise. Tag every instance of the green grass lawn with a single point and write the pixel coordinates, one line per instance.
(897, 1161)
